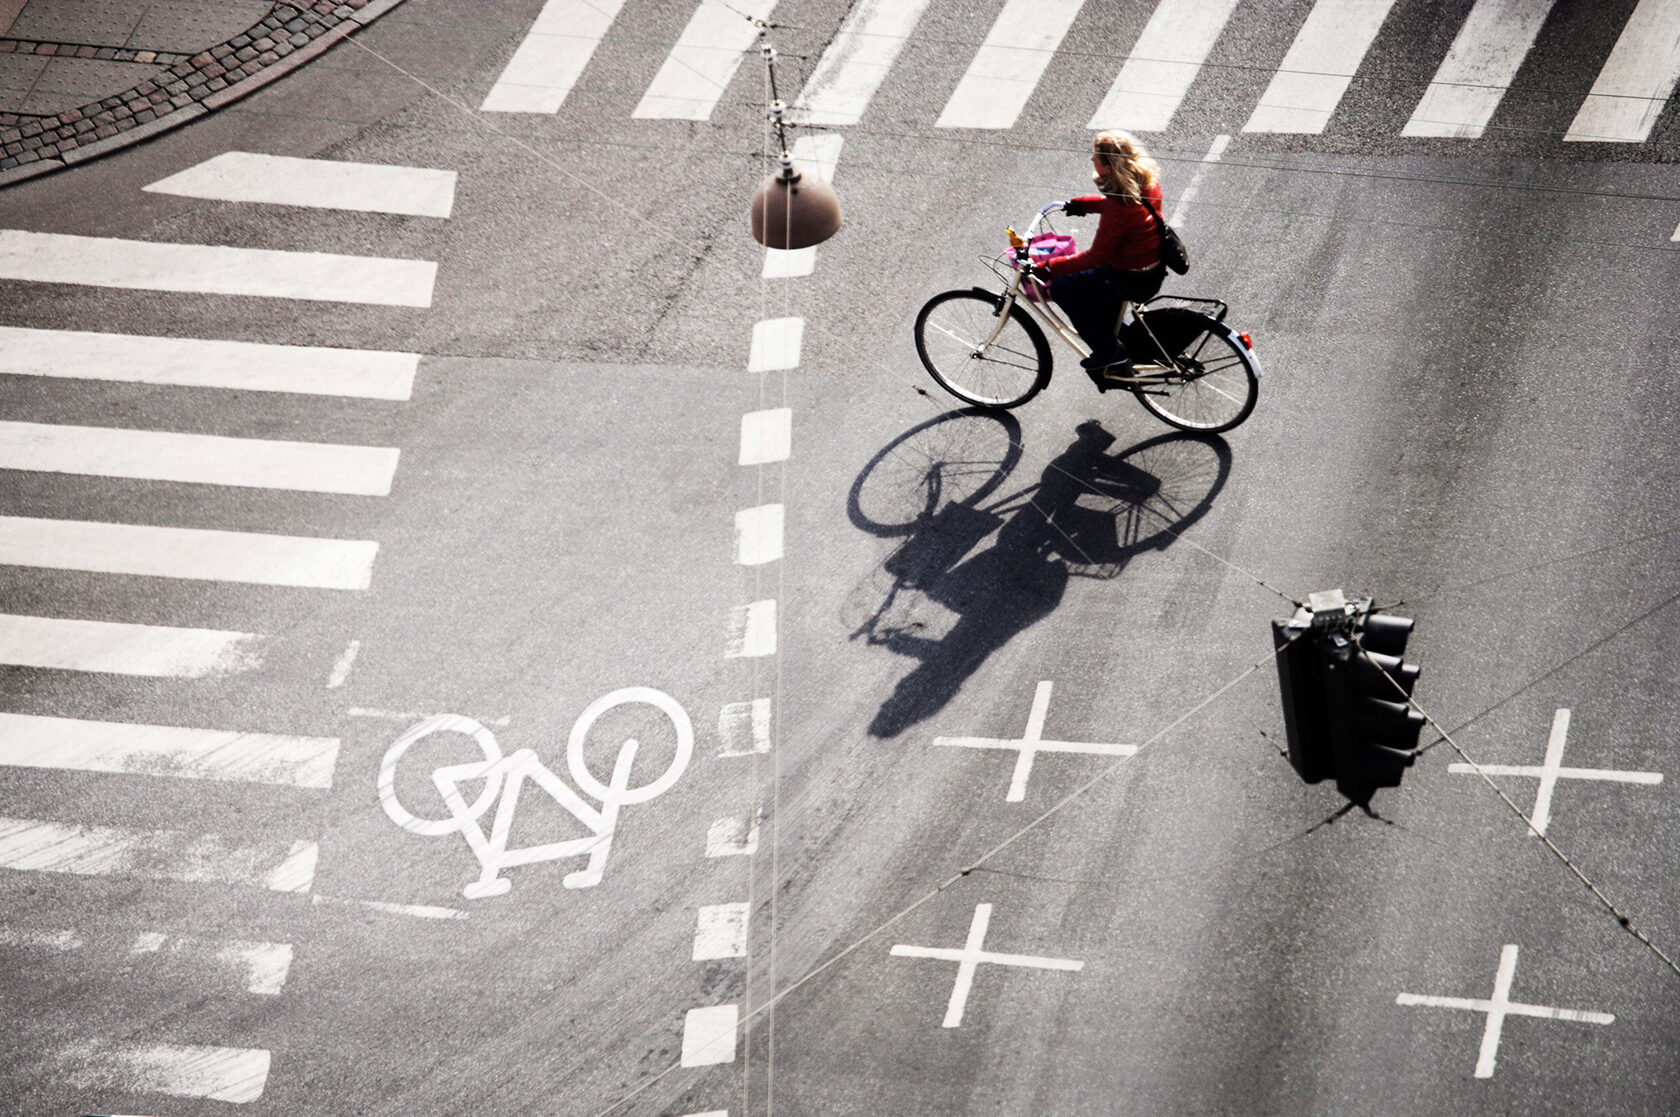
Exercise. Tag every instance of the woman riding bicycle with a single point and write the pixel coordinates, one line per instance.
(1124, 259)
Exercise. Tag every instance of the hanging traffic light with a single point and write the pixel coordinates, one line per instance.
(1345, 686)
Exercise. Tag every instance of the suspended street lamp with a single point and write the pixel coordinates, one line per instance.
(790, 210)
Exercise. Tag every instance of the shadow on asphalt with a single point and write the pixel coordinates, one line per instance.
(976, 569)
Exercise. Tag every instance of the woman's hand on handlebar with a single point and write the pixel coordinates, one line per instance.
(1073, 207)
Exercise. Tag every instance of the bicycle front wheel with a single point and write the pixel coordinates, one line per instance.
(1213, 383)
(978, 358)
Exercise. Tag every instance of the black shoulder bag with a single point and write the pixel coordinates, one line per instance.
(1173, 252)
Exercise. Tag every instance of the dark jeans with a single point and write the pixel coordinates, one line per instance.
(1091, 300)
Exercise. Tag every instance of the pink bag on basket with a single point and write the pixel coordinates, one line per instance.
(1043, 247)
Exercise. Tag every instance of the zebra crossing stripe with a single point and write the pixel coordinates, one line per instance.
(243, 176)
(214, 269)
(171, 552)
(856, 62)
(1636, 80)
(31, 845)
(1479, 68)
(230, 1074)
(199, 363)
(1165, 61)
(69, 744)
(204, 459)
(1321, 62)
(149, 650)
(698, 69)
(995, 87)
(261, 967)
(552, 56)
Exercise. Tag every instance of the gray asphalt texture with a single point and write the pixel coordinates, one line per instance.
(1468, 409)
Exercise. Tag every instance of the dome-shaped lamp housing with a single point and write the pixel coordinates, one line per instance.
(791, 210)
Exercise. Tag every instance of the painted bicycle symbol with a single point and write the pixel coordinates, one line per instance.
(504, 776)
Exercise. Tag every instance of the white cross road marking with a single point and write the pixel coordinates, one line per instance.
(243, 176)
(720, 931)
(699, 68)
(995, 87)
(1631, 90)
(1320, 64)
(744, 728)
(1478, 69)
(1032, 743)
(1553, 770)
(968, 959)
(709, 1036)
(775, 344)
(857, 61)
(766, 436)
(552, 56)
(1163, 63)
(202, 363)
(1500, 1006)
(752, 630)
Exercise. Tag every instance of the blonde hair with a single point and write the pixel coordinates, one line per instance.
(1129, 170)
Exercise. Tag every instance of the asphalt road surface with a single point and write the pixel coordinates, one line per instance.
(630, 499)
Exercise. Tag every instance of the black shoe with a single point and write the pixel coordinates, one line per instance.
(1113, 375)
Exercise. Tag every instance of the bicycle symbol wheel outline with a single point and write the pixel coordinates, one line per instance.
(505, 775)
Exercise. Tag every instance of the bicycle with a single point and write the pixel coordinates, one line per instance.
(1190, 369)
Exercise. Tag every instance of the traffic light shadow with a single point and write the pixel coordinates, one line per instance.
(949, 598)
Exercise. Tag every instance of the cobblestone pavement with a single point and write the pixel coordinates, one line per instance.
(57, 58)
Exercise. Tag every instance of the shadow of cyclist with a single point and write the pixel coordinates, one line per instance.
(1089, 514)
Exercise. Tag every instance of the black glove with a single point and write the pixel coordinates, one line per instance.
(1073, 207)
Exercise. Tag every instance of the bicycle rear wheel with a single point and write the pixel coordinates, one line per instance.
(959, 339)
(1214, 383)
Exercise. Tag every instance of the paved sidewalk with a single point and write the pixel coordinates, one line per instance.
(82, 78)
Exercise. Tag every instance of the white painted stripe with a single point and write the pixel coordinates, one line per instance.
(775, 344)
(170, 552)
(230, 1074)
(732, 837)
(816, 157)
(710, 1113)
(418, 911)
(41, 940)
(1637, 78)
(1611, 775)
(698, 69)
(62, 644)
(260, 966)
(720, 931)
(1164, 62)
(30, 845)
(744, 728)
(789, 263)
(1214, 153)
(1514, 1008)
(758, 535)
(1676, 235)
(857, 61)
(214, 269)
(1319, 66)
(28, 740)
(341, 669)
(709, 1036)
(1478, 69)
(766, 436)
(995, 87)
(196, 363)
(204, 459)
(243, 176)
(552, 56)
(752, 630)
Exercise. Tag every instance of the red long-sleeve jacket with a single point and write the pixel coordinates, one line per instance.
(1127, 235)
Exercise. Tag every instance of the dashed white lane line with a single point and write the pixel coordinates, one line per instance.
(709, 1035)
(1162, 65)
(1484, 58)
(732, 837)
(28, 740)
(995, 87)
(152, 650)
(720, 931)
(214, 269)
(31, 845)
(758, 535)
(1319, 66)
(775, 344)
(196, 553)
(552, 56)
(752, 630)
(201, 459)
(744, 728)
(244, 176)
(857, 61)
(230, 1074)
(203, 363)
(697, 71)
(766, 436)
(1637, 78)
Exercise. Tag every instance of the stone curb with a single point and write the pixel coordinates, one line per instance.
(291, 35)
